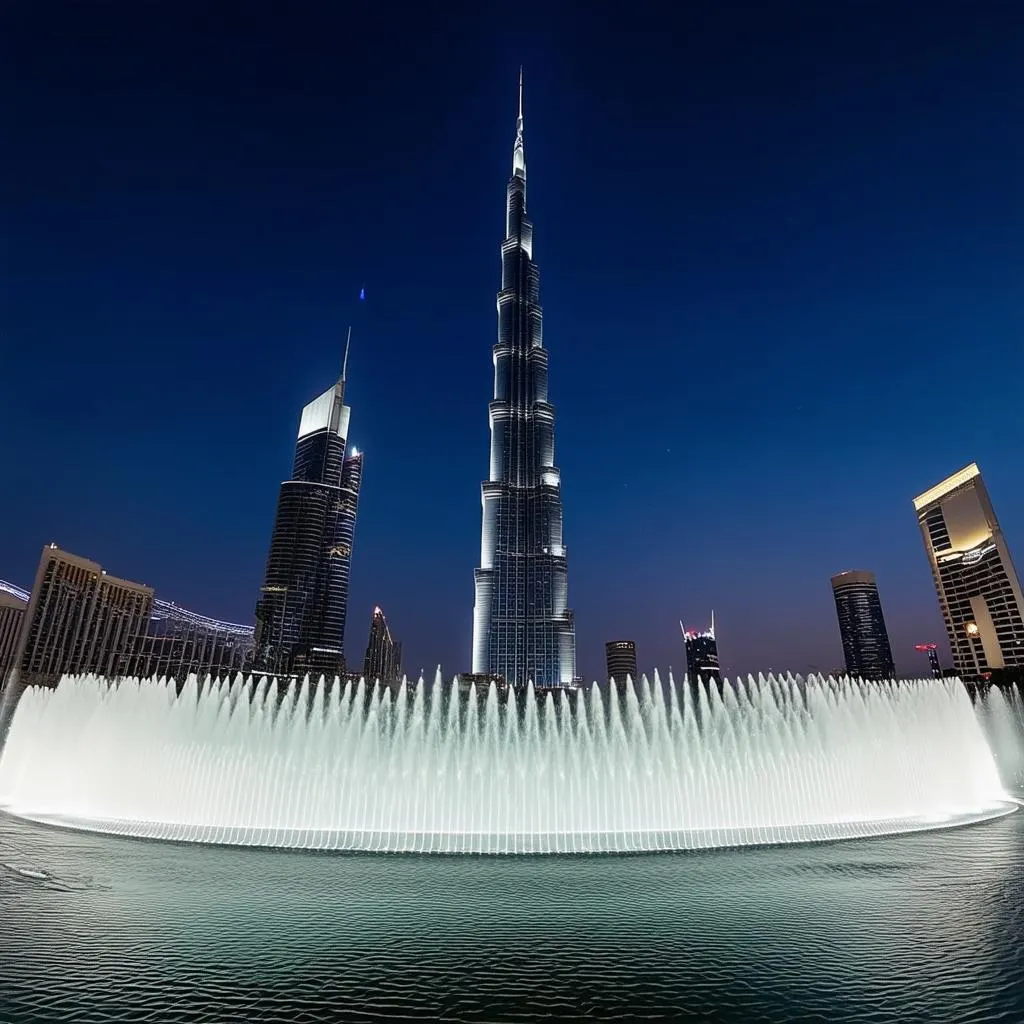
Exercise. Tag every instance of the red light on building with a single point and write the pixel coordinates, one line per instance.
(933, 658)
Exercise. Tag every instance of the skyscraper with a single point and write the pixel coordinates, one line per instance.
(300, 615)
(701, 652)
(862, 629)
(978, 587)
(620, 661)
(383, 659)
(79, 619)
(523, 629)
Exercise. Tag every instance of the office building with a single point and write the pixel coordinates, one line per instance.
(978, 588)
(13, 602)
(866, 647)
(701, 652)
(301, 612)
(80, 619)
(620, 661)
(932, 650)
(383, 660)
(523, 629)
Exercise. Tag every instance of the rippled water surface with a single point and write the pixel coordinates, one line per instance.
(925, 927)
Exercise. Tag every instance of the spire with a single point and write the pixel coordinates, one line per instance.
(518, 153)
(344, 365)
(712, 623)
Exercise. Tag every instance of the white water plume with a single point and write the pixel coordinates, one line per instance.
(350, 767)
(1002, 714)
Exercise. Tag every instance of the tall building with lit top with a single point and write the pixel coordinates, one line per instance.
(978, 588)
(523, 628)
(300, 615)
(383, 660)
(866, 648)
(701, 652)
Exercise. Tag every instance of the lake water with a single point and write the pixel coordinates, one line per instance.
(924, 927)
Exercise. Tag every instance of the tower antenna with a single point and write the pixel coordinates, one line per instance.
(348, 341)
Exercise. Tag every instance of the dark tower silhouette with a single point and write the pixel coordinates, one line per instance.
(620, 661)
(701, 652)
(862, 626)
(383, 659)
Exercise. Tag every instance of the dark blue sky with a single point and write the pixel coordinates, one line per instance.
(782, 267)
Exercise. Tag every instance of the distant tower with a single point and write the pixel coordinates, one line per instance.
(978, 587)
(862, 625)
(932, 650)
(620, 657)
(300, 616)
(383, 659)
(523, 628)
(701, 652)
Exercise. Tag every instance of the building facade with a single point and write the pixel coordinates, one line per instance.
(865, 639)
(303, 604)
(978, 587)
(80, 619)
(523, 629)
(179, 643)
(13, 603)
(620, 661)
(701, 652)
(383, 660)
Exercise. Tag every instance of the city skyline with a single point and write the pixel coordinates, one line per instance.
(228, 280)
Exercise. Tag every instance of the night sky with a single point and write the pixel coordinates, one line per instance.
(782, 268)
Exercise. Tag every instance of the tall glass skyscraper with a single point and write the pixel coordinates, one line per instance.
(522, 626)
(300, 615)
(862, 629)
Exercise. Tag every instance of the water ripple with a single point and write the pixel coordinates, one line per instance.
(99, 929)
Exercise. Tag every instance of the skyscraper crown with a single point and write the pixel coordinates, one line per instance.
(518, 151)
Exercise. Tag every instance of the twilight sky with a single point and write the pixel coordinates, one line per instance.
(782, 267)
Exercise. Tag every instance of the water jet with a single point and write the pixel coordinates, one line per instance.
(346, 766)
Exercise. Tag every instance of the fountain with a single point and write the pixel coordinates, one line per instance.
(356, 767)
(1002, 715)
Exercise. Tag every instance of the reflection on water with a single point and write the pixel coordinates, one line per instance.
(927, 927)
